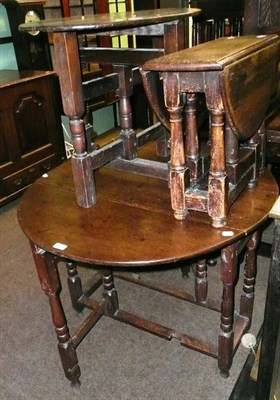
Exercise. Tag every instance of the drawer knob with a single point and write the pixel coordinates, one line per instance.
(18, 181)
(47, 167)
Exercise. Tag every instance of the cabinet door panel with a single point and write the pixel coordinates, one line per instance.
(31, 139)
(31, 122)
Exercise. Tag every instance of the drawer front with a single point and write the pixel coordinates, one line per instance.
(25, 177)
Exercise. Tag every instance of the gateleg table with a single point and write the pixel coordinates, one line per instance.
(132, 226)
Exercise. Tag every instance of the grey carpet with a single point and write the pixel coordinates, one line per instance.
(118, 362)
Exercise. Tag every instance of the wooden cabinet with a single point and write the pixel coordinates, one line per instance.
(31, 139)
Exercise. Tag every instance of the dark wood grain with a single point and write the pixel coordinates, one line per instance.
(261, 16)
(108, 22)
(132, 226)
(130, 197)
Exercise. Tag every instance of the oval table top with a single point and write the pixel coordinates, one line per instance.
(110, 21)
(132, 223)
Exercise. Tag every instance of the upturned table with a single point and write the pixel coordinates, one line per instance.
(166, 27)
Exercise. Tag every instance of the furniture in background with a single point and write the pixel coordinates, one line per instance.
(218, 18)
(263, 17)
(237, 75)
(132, 227)
(32, 50)
(30, 129)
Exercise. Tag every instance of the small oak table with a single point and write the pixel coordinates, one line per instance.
(165, 26)
(238, 75)
(132, 225)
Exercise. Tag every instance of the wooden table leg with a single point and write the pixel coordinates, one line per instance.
(228, 273)
(201, 284)
(217, 186)
(70, 79)
(127, 134)
(74, 285)
(193, 158)
(218, 179)
(179, 172)
(50, 283)
(110, 293)
(262, 141)
(247, 296)
(254, 143)
(174, 36)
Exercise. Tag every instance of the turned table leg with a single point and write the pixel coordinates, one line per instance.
(178, 169)
(201, 284)
(248, 290)
(50, 283)
(70, 79)
(217, 185)
(109, 292)
(262, 141)
(254, 143)
(74, 285)
(193, 158)
(127, 134)
(229, 264)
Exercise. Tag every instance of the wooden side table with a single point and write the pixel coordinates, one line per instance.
(238, 76)
(133, 226)
(166, 27)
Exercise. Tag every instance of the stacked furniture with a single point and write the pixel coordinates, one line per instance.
(116, 202)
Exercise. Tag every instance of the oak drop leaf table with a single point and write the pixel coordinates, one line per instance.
(238, 76)
(132, 226)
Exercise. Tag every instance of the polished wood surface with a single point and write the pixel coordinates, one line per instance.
(9, 77)
(107, 22)
(133, 210)
(132, 226)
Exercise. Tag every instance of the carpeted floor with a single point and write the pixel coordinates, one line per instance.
(118, 362)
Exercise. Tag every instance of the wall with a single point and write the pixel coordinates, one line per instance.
(7, 54)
